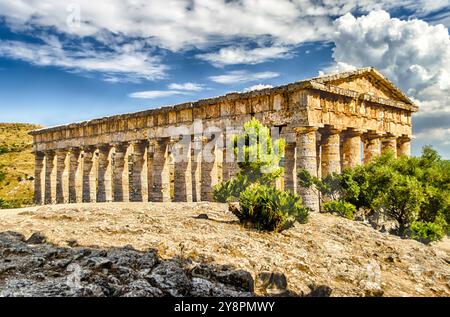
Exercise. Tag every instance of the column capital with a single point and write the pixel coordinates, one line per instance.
(39, 153)
(352, 132)
(88, 147)
(139, 142)
(405, 138)
(206, 139)
(161, 140)
(330, 130)
(104, 146)
(303, 130)
(74, 149)
(119, 144)
(61, 151)
(389, 136)
(371, 134)
(176, 138)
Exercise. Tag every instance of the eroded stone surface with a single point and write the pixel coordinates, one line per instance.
(328, 255)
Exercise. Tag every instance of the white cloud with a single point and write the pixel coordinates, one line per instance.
(241, 55)
(272, 26)
(257, 87)
(413, 54)
(240, 76)
(126, 63)
(186, 86)
(435, 135)
(154, 94)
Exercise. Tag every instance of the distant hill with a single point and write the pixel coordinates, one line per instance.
(16, 164)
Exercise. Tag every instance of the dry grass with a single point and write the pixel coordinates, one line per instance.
(16, 162)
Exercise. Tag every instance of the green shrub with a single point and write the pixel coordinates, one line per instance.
(425, 232)
(9, 204)
(2, 176)
(342, 208)
(266, 208)
(258, 160)
(406, 189)
(230, 190)
(401, 200)
(257, 154)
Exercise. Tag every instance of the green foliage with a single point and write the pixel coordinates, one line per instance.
(9, 204)
(2, 176)
(266, 208)
(342, 208)
(406, 189)
(258, 156)
(402, 199)
(231, 189)
(425, 232)
(258, 160)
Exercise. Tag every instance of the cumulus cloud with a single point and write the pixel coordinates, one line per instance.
(272, 26)
(241, 76)
(414, 54)
(257, 87)
(241, 55)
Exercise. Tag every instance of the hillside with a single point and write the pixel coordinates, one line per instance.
(16, 164)
(327, 256)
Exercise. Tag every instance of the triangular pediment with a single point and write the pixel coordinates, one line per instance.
(368, 81)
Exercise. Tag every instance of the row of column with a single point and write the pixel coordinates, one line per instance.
(148, 171)
(329, 150)
(140, 171)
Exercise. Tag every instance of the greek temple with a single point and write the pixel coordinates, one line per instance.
(178, 153)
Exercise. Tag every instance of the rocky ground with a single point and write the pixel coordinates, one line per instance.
(199, 249)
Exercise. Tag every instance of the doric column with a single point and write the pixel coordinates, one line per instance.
(389, 144)
(306, 158)
(183, 174)
(75, 183)
(229, 164)
(138, 179)
(351, 155)
(89, 175)
(161, 171)
(372, 146)
(50, 177)
(104, 186)
(331, 156)
(120, 173)
(150, 153)
(210, 168)
(404, 146)
(290, 170)
(62, 188)
(196, 165)
(39, 180)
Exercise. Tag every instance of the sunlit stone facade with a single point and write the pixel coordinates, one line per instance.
(179, 153)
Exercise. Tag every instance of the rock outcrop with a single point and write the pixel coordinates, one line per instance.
(176, 253)
(35, 268)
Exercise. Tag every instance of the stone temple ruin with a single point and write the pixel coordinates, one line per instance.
(329, 123)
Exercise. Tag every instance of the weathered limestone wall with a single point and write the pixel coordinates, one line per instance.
(179, 153)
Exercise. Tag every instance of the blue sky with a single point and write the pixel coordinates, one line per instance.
(66, 61)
